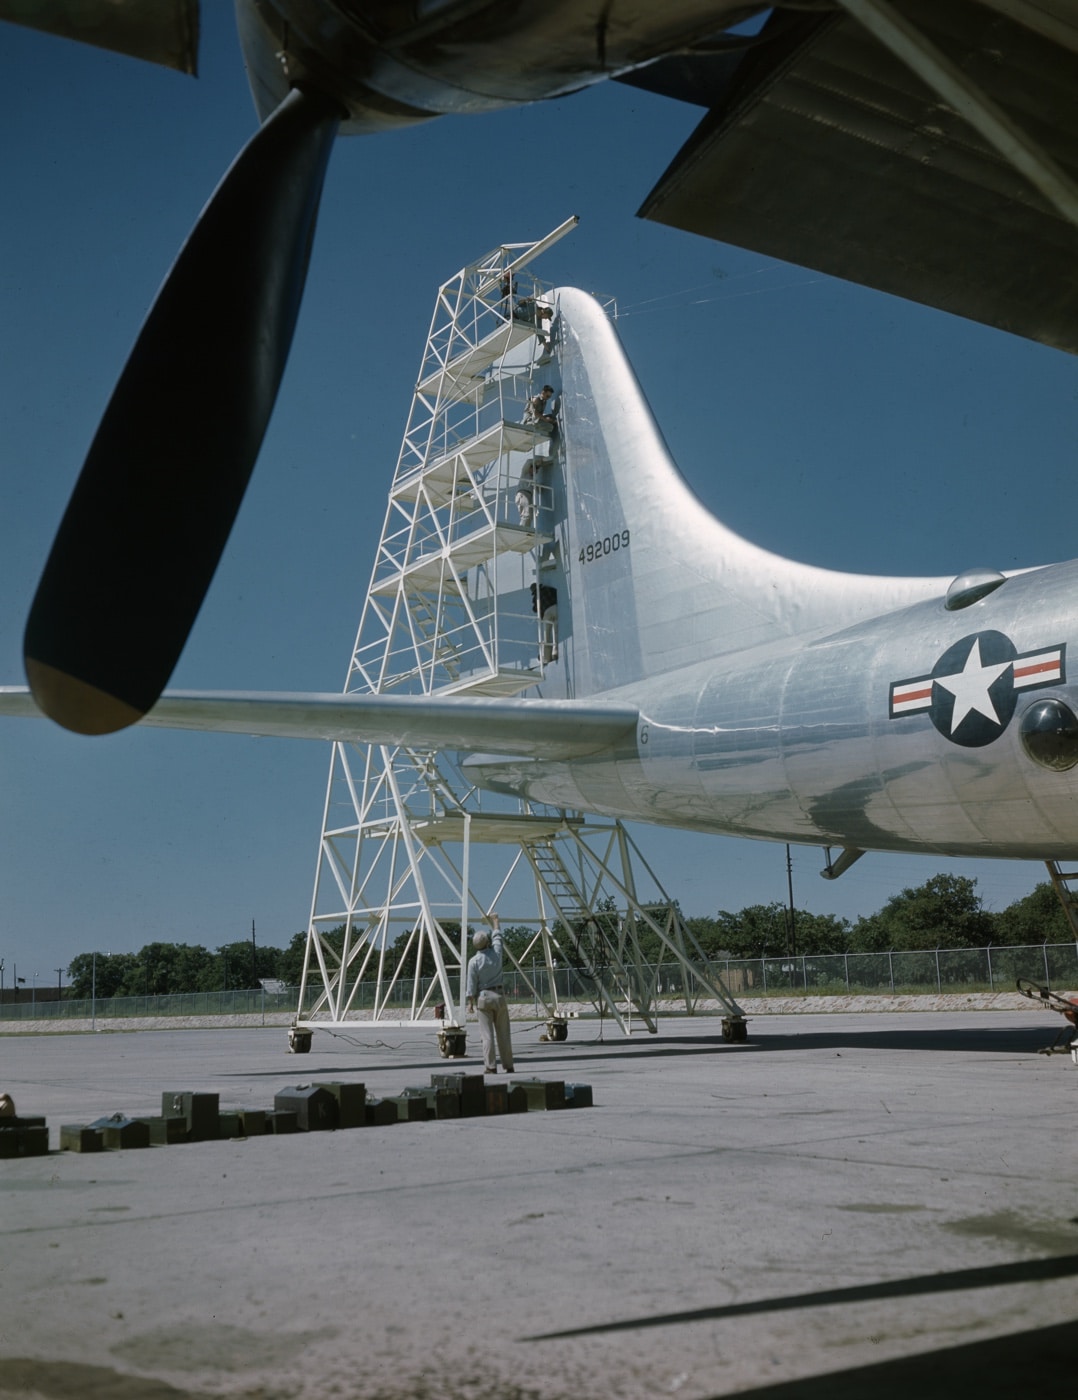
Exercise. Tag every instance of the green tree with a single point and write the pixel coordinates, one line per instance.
(241, 964)
(651, 945)
(516, 938)
(757, 931)
(708, 932)
(112, 970)
(290, 961)
(161, 969)
(763, 931)
(816, 934)
(1036, 918)
(944, 912)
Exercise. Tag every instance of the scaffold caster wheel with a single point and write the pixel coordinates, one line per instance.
(452, 1045)
(557, 1028)
(299, 1042)
(735, 1029)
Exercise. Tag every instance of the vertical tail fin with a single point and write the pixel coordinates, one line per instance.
(653, 580)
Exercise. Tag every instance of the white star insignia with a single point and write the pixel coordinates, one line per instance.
(971, 685)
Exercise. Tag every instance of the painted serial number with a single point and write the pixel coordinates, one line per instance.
(598, 549)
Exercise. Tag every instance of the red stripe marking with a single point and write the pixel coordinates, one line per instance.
(1035, 670)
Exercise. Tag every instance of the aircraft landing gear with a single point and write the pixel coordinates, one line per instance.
(735, 1029)
(299, 1041)
(557, 1028)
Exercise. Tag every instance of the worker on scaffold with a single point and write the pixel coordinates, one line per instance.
(537, 411)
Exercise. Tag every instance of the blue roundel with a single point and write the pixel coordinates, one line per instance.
(973, 694)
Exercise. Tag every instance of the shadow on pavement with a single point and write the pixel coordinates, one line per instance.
(1059, 1266)
(1001, 1368)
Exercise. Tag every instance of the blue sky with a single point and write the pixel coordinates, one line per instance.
(826, 422)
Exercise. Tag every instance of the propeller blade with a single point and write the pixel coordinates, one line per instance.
(151, 512)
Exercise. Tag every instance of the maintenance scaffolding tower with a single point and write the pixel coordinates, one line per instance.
(411, 852)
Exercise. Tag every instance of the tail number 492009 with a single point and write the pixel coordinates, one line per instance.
(610, 545)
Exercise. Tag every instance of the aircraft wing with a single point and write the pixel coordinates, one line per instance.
(165, 31)
(553, 729)
(823, 149)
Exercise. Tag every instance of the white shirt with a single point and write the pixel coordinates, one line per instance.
(485, 967)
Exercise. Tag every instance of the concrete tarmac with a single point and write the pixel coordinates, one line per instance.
(847, 1204)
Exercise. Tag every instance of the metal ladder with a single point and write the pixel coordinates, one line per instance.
(424, 614)
(580, 927)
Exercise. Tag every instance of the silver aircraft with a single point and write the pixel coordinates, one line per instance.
(705, 683)
(925, 149)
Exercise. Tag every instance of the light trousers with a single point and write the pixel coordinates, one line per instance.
(492, 1010)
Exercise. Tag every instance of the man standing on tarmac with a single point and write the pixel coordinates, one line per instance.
(486, 997)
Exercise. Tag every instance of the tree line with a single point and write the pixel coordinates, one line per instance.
(945, 912)
(160, 969)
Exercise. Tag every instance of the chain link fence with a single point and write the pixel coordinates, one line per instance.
(239, 1002)
(933, 970)
(937, 970)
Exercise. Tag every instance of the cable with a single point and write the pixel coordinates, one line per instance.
(737, 277)
(706, 301)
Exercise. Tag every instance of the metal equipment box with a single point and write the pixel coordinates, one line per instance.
(468, 1087)
(380, 1112)
(411, 1107)
(315, 1108)
(77, 1137)
(497, 1098)
(446, 1104)
(166, 1131)
(200, 1111)
(541, 1093)
(351, 1103)
(23, 1137)
(282, 1120)
(119, 1131)
(518, 1099)
(441, 1102)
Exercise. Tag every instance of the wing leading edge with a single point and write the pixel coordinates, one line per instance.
(551, 729)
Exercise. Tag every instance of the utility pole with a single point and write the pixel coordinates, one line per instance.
(254, 957)
(59, 983)
(791, 940)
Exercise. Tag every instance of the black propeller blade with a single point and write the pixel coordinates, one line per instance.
(154, 504)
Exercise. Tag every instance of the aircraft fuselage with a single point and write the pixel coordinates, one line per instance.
(901, 733)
